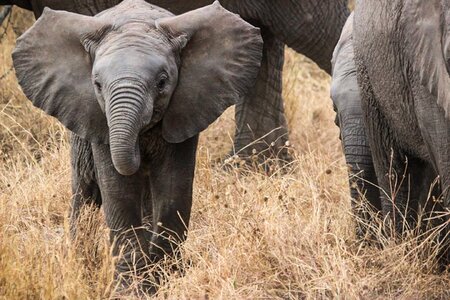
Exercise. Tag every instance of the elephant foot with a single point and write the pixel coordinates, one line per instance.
(138, 281)
(147, 283)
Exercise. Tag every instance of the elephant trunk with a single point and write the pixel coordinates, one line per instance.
(124, 115)
(362, 176)
(358, 158)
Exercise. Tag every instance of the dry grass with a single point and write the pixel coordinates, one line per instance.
(252, 236)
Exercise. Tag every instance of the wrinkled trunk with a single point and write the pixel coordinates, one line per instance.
(362, 177)
(124, 114)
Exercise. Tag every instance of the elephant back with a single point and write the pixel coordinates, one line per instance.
(139, 10)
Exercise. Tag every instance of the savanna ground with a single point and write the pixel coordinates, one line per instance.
(252, 236)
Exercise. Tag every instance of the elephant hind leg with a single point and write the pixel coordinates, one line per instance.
(260, 120)
(435, 130)
(85, 190)
(396, 172)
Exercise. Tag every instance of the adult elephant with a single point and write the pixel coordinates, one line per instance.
(402, 58)
(309, 27)
(136, 85)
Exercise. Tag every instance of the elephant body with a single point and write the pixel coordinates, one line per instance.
(401, 60)
(309, 27)
(136, 84)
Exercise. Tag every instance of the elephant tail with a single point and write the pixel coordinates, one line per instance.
(4, 13)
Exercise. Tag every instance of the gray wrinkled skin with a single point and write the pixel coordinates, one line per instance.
(401, 56)
(346, 98)
(310, 27)
(130, 83)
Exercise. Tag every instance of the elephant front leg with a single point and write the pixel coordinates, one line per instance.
(85, 190)
(122, 198)
(171, 187)
(260, 120)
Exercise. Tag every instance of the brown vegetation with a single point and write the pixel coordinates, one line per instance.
(285, 236)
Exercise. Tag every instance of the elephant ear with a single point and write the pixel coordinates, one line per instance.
(54, 71)
(428, 40)
(218, 66)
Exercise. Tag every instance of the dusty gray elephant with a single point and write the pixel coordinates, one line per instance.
(346, 97)
(402, 53)
(136, 85)
(310, 27)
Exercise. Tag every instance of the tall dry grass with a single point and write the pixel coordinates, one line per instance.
(284, 236)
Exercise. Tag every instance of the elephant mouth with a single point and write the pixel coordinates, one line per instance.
(154, 122)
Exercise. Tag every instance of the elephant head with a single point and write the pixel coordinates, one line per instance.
(111, 77)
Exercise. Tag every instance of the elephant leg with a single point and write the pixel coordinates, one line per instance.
(85, 190)
(435, 130)
(393, 168)
(171, 187)
(309, 28)
(122, 199)
(399, 178)
(260, 119)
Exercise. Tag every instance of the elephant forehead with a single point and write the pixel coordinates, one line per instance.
(135, 37)
(133, 11)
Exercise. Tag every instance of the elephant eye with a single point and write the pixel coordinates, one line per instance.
(162, 82)
(98, 85)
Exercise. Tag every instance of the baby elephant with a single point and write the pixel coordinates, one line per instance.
(136, 85)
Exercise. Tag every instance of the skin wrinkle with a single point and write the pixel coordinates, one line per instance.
(263, 110)
(127, 93)
(346, 98)
(407, 128)
(311, 27)
(156, 183)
